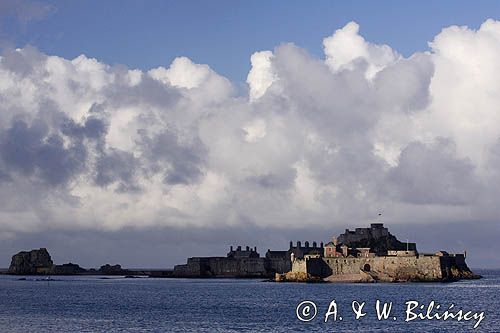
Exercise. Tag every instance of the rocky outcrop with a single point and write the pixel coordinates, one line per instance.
(39, 262)
(113, 270)
(32, 262)
(460, 273)
(296, 277)
(68, 269)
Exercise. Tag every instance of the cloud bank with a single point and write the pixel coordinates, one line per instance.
(314, 142)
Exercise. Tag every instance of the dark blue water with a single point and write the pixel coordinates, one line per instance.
(92, 304)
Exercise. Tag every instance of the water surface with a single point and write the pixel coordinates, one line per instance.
(93, 304)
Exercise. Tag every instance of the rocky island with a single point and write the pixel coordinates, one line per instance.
(39, 262)
(364, 255)
(372, 255)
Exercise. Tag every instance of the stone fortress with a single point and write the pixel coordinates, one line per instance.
(247, 262)
(363, 255)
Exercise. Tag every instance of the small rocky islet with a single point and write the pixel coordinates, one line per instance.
(39, 262)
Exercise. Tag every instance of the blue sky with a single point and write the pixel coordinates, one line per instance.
(223, 34)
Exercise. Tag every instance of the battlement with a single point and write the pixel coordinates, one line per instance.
(248, 252)
(307, 245)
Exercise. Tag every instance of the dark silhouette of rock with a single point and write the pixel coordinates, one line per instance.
(39, 262)
(113, 270)
(68, 269)
(32, 262)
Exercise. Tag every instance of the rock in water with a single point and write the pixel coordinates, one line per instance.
(32, 262)
(68, 269)
(113, 270)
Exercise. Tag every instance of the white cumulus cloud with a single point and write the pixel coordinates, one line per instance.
(86, 145)
(346, 47)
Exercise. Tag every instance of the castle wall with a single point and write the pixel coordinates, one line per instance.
(192, 268)
(454, 266)
(312, 266)
(421, 268)
(278, 265)
(301, 251)
(222, 267)
(459, 260)
(400, 253)
(299, 266)
(408, 268)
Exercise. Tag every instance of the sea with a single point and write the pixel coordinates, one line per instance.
(119, 304)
